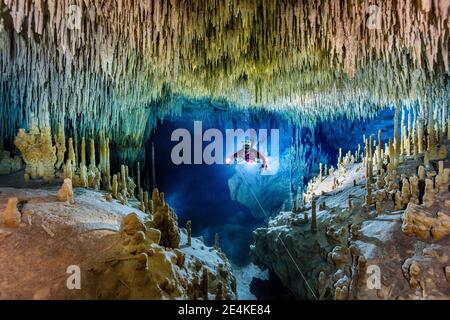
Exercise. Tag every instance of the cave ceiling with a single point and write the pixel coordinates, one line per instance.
(106, 65)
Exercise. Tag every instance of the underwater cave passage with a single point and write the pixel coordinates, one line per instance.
(224, 149)
(232, 200)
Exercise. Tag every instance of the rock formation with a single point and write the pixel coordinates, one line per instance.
(9, 164)
(65, 193)
(38, 151)
(165, 220)
(10, 215)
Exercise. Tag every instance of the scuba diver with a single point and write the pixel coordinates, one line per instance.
(249, 154)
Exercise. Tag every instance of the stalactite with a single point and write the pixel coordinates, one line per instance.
(397, 142)
(105, 71)
(71, 155)
(153, 167)
(92, 163)
(83, 151)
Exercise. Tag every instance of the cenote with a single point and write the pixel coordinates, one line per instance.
(224, 150)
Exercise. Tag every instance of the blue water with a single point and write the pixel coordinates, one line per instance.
(200, 192)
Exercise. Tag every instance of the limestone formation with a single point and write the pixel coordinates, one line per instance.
(60, 143)
(11, 216)
(146, 201)
(115, 190)
(428, 197)
(165, 220)
(9, 164)
(398, 201)
(368, 193)
(406, 192)
(422, 223)
(414, 185)
(188, 228)
(204, 284)
(37, 151)
(379, 197)
(421, 173)
(219, 292)
(380, 180)
(360, 56)
(216, 242)
(65, 193)
(313, 216)
(414, 275)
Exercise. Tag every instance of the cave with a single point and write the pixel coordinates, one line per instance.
(224, 150)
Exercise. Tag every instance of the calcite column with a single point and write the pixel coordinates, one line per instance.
(92, 164)
(397, 142)
(368, 193)
(71, 155)
(406, 195)
(83, 151)
(379, 149)
(428, 197)
(313, 215)
(60, 147)
(420, 133)
(115, 187)
(188, 228)
(414, 188)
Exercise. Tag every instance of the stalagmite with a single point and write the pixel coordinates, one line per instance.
(428, 197)
(418, 221)
(421, 173)
(10, 215)
(146, 203)
(115, 187)
(219, 291)
(60, 143)
(92, 163)
(188, 228)
(138, 177)
(414, 185)
(379, 197)
(37, 151)
(379, 156)
(68, 170)
(398, 201)
(83, 176)
(380, 180)
(71, 155)
(406, 192)
(313, 216)
(123, 181)
(320, 172)
(368, 194)
(216, 242)
(204, 284)
(165, 220)
(83, 151)
(65, 193)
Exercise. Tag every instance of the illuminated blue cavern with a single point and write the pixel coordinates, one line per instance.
(234, 200)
